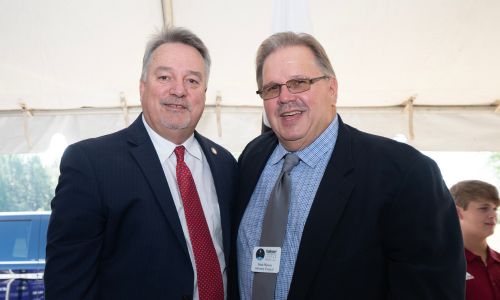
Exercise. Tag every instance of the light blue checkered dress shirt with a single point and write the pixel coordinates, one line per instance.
(306, 177)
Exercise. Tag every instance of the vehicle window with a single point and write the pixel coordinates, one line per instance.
(44, 224)
(15, 241)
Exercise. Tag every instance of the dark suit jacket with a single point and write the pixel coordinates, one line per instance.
(382, 225)
(114, 231)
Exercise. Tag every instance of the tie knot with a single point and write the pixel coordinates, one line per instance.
(179, 153)
(291, 160)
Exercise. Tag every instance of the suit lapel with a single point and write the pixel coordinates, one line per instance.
(146, 157)
(211, 152)
(253, 164)
(332, 195)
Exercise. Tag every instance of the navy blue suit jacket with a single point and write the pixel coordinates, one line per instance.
(114, 231)
(382, 225)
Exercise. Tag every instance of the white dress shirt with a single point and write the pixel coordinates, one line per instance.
(198, 165)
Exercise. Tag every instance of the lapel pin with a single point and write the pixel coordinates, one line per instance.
(214, 151)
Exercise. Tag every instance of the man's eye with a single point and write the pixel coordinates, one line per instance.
(163, 78)
(297, 82)
(193, 81)
(271, 88)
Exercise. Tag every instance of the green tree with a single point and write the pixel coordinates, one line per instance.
(25, 185)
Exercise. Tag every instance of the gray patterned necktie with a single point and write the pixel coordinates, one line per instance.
(274, 226)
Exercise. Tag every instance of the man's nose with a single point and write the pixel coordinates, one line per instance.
(178, 89)
(285, 95)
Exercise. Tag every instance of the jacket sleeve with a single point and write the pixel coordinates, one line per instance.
(75, 230)
(422, 238)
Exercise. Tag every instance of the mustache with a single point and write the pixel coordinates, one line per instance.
(176, 101)
(291, 105)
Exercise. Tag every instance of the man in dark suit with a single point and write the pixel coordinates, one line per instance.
(127, 221)
(368, 217)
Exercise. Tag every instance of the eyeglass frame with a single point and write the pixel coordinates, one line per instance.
(310, 82)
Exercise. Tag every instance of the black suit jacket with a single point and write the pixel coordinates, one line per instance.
(114, 231)
(382, 225)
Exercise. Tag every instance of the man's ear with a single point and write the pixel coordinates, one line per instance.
(141, 88)
(333, 90)
(460, 212)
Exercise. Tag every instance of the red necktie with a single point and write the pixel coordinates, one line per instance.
(210, 286)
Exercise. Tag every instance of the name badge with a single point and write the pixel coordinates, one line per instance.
(266, 259)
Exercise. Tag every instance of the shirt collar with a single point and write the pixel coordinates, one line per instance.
(492, 254)
(469, 256)
(165, 148)
(314, 153)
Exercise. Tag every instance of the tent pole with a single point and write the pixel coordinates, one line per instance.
(409, 109)
(168, 13)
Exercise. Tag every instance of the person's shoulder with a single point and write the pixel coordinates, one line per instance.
(214, 148)
(102, 142)
(99, 148)
(266, 138)
(135, 133)
(494, 254)
(379, 143)
(261, 145)
(384, 150)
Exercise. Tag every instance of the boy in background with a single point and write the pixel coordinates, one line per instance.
(477, 203)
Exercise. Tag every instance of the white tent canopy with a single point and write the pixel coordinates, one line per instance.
(426, 69)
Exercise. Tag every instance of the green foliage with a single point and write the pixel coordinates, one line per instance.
(495, 162)
(25, 185)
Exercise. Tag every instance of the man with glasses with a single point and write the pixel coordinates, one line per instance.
(326, 211)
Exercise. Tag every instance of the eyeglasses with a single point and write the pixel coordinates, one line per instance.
(294, 86)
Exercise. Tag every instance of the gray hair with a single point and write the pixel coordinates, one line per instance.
(174, 35)
(287, 39)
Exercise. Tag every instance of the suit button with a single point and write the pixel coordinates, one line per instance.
(187, 298)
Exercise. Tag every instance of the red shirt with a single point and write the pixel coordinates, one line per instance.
(483, 281)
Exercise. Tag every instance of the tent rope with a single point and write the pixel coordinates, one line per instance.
(409, 109)
(27, 115)
(125, 110)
